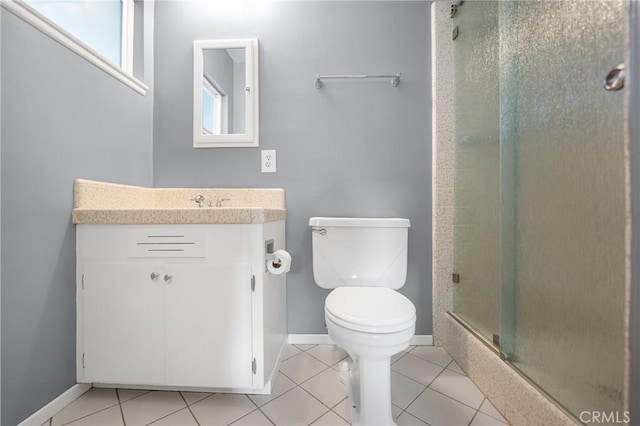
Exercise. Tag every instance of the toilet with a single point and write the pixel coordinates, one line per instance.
(363, 261)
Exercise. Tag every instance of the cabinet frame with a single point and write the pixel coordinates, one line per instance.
(227, 244)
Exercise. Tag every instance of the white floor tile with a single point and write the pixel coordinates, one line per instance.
(283, 384)
(290, 351)
(151, 406)
(404, 390)
(326, 387)
(436, 409)
(109, 417)
(407, 419)
(330, 419)
(179, 418)
(301, 367)
(95, 399)
(449, 400)
(343, 410)
(127, 394)
(193, 397)
(482, 419)
(222, 409)
(488, 408)
(435, 354)
(458, 387)
(397, 356)
(295, 407)
(395, 411)
(305, 347)
(329, 354)
(255, 418)
(455, 367)
(416, 368)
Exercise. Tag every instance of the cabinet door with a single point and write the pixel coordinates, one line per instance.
(208, 325)
(123, 323)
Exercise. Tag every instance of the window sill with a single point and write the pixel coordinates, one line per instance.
(46, 26)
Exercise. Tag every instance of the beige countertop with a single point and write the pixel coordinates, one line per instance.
(109, 203)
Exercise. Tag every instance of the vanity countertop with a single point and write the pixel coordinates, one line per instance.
(109, 203)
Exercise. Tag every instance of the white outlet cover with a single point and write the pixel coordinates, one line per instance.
(268, 161)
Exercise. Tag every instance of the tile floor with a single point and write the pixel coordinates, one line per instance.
(428, 387)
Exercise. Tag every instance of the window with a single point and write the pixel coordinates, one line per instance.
(103, 24)
(214, 109)
(101, 31)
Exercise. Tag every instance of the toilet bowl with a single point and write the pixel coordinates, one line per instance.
(363, 260)
(372, 324)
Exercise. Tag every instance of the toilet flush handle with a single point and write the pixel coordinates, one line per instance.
(320, 231)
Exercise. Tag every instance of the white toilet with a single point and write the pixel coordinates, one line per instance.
(364, 260)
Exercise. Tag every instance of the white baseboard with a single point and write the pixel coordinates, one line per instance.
(310, 339)
(421, 340)
(52, 408)
(324, 339)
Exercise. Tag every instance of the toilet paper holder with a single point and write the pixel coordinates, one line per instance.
(269, 254)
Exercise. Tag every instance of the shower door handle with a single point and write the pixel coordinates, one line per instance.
(615, 79)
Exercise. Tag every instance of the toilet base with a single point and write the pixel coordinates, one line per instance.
(368, 384)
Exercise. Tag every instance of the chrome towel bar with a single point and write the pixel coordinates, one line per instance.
(395, 78)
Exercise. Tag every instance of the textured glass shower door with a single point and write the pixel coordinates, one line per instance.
(563, 181)
(477, 160)
(539, 226)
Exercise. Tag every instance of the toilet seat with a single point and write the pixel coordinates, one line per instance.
(370, 309)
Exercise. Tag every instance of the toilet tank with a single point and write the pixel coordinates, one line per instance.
(359, 251)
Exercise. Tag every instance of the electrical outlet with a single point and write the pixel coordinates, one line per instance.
(268, 161)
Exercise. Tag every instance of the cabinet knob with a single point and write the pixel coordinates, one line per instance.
(154, 275)
(168, 277)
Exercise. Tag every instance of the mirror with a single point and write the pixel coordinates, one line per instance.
(225, 93)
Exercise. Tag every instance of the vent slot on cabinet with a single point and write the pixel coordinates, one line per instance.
(167, 243)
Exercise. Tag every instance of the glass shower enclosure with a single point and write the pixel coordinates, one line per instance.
(540, 191)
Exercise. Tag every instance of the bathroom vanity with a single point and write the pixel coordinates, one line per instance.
(168, 305)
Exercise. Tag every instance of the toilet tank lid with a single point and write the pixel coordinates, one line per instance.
(366, 222)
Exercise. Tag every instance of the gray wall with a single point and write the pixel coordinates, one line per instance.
(354, 148)
(63, 118)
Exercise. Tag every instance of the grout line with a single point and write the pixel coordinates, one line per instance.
(337, 414)
(304, 350)
(328, 365)
(209, 394)
(453, 371)
(418, 396)
(260, 409)
(90, 414)
(245, 415)
(120, 406)
(463, 403)
(267, 417)
(415, 381)
(131, 399)
(298, 385)
(314, 397)
(405, 352)
(474, 416)
(318, 418)
(486, 399)
(170, 414)
(189, 407)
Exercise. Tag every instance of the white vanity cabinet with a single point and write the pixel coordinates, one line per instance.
(179, 306)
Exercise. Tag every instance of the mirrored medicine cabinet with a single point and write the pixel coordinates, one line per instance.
(225, 93)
